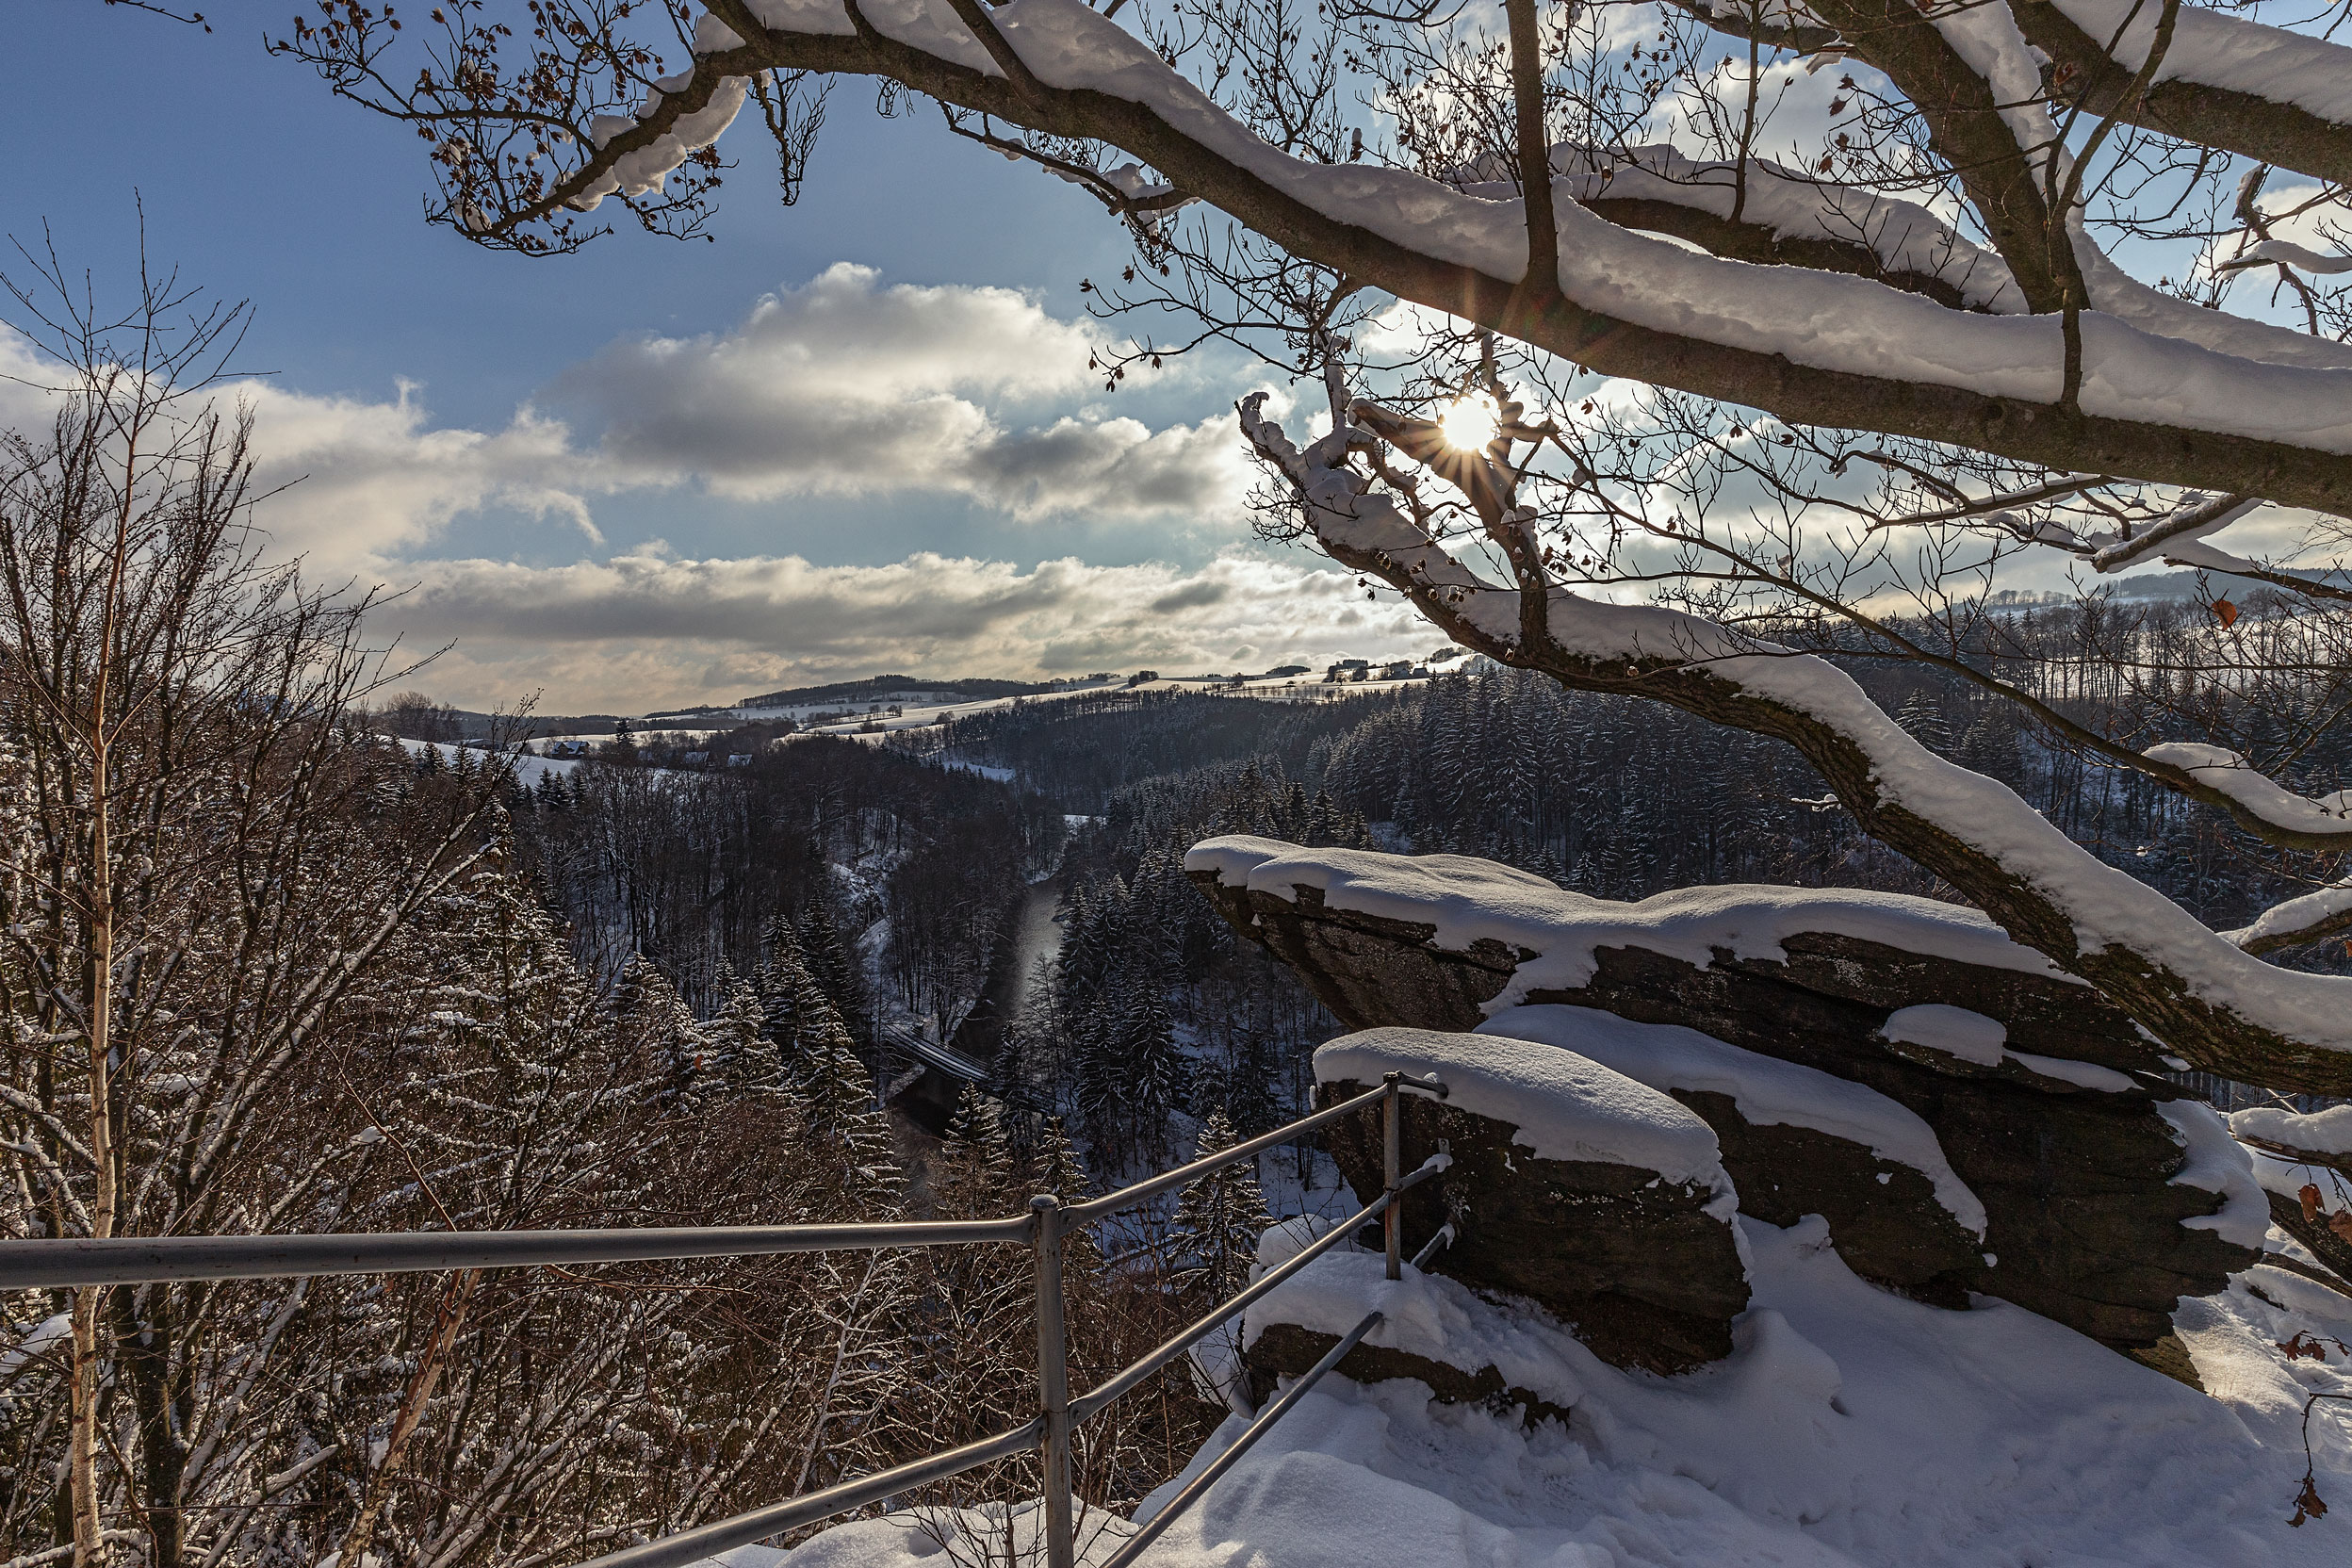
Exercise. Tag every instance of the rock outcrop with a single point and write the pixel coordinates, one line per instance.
(1597, 1198)
(1287, 1350)
(2105, 1195)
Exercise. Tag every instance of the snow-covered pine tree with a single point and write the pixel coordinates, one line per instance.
(1249, 1084)
(977, 1124)
(1215, 1231)
(842, 1105)
(746, 1054)
(1154, 1077)
(1922, 714)
(835, 968)
(655, 1025)
(1219, 1217)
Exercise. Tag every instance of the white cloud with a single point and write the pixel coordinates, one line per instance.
(842, 387)
(646, 629)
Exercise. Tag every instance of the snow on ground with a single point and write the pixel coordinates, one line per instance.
(871, 728)
(529, 769)
(1850, 1427)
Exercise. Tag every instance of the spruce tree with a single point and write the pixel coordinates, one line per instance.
(978, 1124)
(1061, 1172)
(835, 968)
(1924, 716)
(1155, 1074)
(1219, 1218)
(655, 1028)
(841, 1102)
(746, 1057)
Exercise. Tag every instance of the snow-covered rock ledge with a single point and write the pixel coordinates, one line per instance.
(1570, 1184)
(1446, 941)
(1966, 1120)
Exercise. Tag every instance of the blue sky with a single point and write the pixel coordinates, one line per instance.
(840, 439)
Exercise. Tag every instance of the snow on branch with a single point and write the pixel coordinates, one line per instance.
(1790, 217)
(2229, 779)
(2196, 515)
(2288, 253)
(2264, 92)
(2208, 1000)
(2134, 385)
(2312, 918)
(2211, 49)
(2320, 1138)
(1637, 306)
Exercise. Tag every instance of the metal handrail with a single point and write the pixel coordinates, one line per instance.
(1127, 1197)
(1272, 1280)
(149, 1260)
(1133, 1547)
(142, 1260)
(674, 1551)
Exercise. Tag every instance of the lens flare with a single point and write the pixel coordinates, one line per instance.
(1471, 423)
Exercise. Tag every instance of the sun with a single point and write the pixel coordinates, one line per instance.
(1471, 423)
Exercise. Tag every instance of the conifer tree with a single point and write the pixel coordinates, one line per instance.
(1154, 1076)
(1219, 1217)
(655, 1027)
(835, 968)
(1924, 716)
(1061, 1172)
(841, 1102)
(746, 1057)
(978, 1124)
(1216, 1226)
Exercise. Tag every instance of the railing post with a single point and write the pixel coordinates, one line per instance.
(1053, 1382)
(1392, 1160)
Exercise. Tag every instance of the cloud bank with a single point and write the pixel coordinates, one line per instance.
(842, 389)
(648, 630)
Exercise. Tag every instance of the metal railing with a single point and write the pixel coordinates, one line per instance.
(146, 1260)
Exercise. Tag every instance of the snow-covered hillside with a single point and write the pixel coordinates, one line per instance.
(1266, 688)
(528, 768)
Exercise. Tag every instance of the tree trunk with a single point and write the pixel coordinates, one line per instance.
(445, 1328)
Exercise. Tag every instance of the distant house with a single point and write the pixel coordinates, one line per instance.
(697, 759)
(739, 758)
(1400, 670)
(1348, 669)
(566, 748)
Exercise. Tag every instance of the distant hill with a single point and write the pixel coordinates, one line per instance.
(881, 686)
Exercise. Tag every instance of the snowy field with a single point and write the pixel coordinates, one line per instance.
(529, 769)
(1304, 688)
(1851, 1427)
(831, 719)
